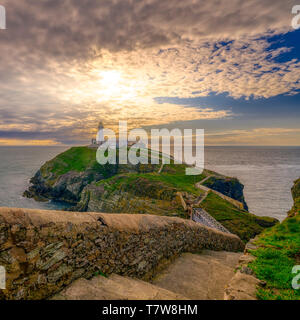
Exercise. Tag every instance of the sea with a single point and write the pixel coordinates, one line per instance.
(266, 172)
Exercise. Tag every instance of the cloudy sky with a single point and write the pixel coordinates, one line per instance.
(230, 67)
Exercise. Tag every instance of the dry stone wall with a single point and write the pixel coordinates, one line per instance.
(44, 251)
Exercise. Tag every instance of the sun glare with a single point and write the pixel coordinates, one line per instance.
(114, 86)
(110, 78)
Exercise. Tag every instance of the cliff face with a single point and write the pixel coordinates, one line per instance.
(75, 177)
(230, 187)
(64, 177)
(296, 196)
(135, 193)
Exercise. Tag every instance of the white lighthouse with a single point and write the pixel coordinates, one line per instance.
(95, 143)
(100, 134)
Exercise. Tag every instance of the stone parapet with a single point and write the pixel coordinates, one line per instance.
(44, 251)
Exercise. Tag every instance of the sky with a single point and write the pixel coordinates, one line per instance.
(229, 67)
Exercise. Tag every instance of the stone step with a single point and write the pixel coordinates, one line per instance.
(83, 289)
(192, 276)
(115, 288)
(138, 289)
(200, 277)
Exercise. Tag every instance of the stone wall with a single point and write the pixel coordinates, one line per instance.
(44, 251)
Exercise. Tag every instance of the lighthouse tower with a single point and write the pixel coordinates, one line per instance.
(100, 135)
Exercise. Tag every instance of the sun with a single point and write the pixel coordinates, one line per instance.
(109, 84)
(110, 77)
(113, 85)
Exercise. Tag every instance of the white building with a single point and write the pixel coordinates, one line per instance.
(95, 143)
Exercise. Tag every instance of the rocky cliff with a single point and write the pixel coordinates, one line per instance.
(230, 187)
(64, 177)
(75, 177)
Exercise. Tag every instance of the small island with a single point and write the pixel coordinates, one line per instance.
(76, 178)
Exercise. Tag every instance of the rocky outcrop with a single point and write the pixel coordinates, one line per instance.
(140, 195)
(64, 177)
(76, 177)
(236, 203)
(230, 187)
(44, 251)
(67, 187)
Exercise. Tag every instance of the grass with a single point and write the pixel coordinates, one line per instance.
(82, 158)
(77, 159)
(239, 222)
(278, 252)
(179, 182)
(74, 159)
(100, 273)
(148, 195)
